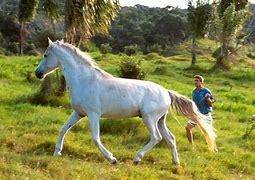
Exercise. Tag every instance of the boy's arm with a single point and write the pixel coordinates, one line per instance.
(209, 99)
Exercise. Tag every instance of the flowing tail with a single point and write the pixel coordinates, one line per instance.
(188, 108)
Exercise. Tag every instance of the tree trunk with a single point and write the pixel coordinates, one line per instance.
(53, 25)
(221, 57)
(46, 86)
(22, 37)
(193, 54)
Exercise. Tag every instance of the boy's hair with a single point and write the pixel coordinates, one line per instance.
(200, 78)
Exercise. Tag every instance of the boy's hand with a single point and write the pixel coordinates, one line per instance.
(207, 96)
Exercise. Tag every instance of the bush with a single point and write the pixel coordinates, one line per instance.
(155, 48)
(13, 47)
(131, 68)
(2, 50)
(161, 70)
(167, 52)
(250, 126)
(250, 55)
(106, 48)
(30, 49)
(130, 50)
(101, 38)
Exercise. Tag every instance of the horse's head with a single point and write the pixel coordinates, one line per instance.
(49, 63)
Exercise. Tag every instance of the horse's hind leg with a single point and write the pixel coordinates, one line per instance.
(69, 123)
(151, 124)
(169, 137)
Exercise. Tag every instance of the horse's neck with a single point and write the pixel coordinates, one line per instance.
(75, 71)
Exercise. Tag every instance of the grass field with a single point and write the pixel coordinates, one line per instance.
(28, 132)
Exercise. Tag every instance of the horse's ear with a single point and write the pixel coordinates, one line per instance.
(50, 42)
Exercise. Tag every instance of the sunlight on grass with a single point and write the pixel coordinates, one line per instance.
(29, 131)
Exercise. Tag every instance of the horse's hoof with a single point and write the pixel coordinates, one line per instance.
(136, 162)
(176, 163)
(114, 161)
(57, 154)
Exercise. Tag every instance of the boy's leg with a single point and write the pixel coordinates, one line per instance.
(189, 134)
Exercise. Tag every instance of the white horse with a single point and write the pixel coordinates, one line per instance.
(95, 93)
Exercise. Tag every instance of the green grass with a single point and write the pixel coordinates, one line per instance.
(29, 132)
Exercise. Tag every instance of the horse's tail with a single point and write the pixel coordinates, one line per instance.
(189, 109)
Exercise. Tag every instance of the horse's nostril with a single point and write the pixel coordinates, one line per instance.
(39, 74)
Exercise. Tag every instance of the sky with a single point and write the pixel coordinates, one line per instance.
(159, 3)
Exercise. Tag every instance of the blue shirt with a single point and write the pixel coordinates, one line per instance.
(198, 97)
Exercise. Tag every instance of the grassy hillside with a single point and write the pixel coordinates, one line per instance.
(29, 132)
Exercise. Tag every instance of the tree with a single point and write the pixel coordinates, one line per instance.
(85, 18)
(227, 26)
(224, 4)
(51, 9)
(198, 16)
(27, 10)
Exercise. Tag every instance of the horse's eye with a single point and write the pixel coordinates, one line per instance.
(45, 55)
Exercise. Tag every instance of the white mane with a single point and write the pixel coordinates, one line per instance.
(83, 56)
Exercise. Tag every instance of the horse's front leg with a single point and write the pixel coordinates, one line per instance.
(95, 128)
(68, 124)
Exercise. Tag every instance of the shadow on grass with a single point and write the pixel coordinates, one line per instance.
(122, 126)
(44, 100)
(48, 147)
(197, 69)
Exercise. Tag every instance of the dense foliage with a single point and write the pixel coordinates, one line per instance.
(149, 29)
(131, 68)
(145, 27)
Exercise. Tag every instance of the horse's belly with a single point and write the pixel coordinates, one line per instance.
(120, 112)
(116, 115)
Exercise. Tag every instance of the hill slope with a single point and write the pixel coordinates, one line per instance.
(29, 132)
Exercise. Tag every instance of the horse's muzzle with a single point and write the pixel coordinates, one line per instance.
(39, 74)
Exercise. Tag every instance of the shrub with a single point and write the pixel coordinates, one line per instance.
(130, 50)
(106, 48)
(155, 48)
(250, 55)
(250, 126)
(167, 51)
(131, 68)
(2, 50)
(31, 49)
(161, 70)
(13, 47)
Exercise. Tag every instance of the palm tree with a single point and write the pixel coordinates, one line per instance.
(85, 18)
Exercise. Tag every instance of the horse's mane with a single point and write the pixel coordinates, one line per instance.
(84, 57)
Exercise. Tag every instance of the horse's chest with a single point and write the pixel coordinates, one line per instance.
(82, 102)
